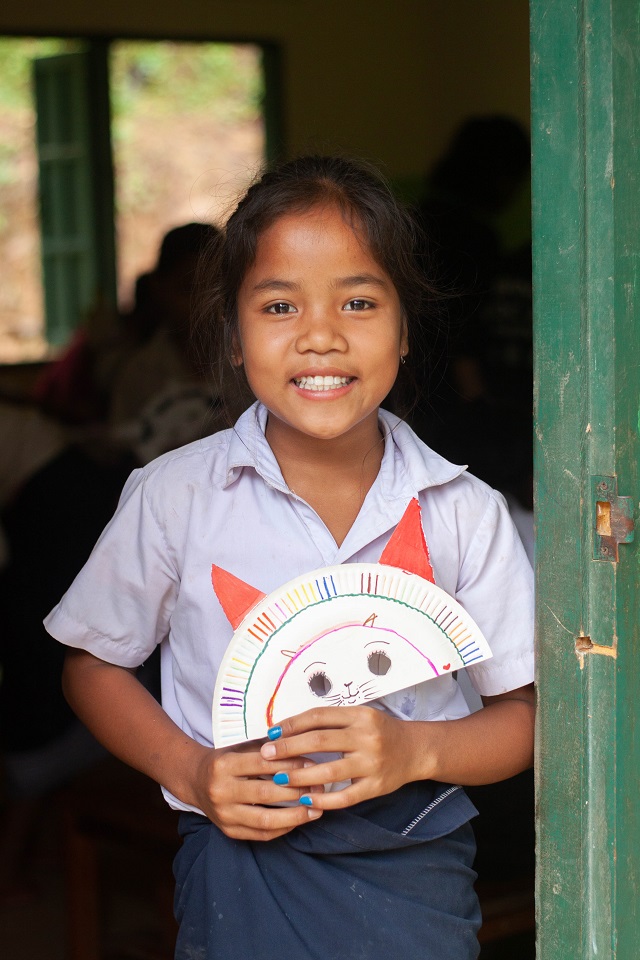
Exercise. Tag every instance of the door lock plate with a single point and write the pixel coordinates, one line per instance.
(614, 523)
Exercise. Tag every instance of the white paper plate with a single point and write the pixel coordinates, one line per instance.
(342, 635)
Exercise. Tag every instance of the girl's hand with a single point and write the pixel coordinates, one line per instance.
(382, 753)
(371, 744)
(230, 790)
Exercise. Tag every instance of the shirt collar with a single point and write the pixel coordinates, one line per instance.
(248, 447)
(408, 465)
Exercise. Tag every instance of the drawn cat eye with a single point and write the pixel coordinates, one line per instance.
(378, 663)
(320, 684)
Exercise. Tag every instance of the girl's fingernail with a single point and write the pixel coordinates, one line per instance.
(314, 814)
(268, 751)
(281, 779)
(306, 801)
(274, 733)
(308, 763)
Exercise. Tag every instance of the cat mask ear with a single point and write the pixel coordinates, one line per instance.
(236, 597)
(407, 549)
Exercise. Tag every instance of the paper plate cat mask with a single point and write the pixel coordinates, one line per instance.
(341, 635)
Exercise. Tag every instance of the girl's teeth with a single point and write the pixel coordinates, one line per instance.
(322, 383)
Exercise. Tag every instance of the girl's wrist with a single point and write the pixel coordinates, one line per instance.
(190, 778)
(422, 757)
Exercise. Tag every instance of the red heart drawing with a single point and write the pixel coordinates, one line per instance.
(446, 666)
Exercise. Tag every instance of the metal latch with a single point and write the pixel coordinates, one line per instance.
(613, 518)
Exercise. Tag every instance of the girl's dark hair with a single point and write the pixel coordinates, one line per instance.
(365, 199)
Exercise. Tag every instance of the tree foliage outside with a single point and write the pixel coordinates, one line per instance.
(222, 79)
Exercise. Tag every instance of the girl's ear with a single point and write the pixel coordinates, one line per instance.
(404, 338)
(236, 352)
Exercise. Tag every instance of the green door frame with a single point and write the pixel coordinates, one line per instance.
(586, 218)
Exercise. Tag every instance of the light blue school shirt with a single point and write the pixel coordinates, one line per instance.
(223, 500)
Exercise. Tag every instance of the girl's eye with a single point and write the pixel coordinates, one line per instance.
(378, 663)
(280, 308)
(358, 304)
(320, 684)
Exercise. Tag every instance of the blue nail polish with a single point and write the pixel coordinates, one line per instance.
(274, 733)
(306, 801)
(281, 778)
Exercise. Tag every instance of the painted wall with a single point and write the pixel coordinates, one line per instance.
(386, 80)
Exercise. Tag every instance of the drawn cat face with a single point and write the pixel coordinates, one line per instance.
(346, 666)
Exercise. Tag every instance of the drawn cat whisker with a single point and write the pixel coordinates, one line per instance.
(371, 695)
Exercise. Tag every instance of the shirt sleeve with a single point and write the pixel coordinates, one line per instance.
(119, 606)
(495, 585)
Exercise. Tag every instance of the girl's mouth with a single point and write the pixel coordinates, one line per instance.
(322, 384)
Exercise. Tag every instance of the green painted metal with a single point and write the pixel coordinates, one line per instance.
(586, 192)
(76, 186)
(68, 261)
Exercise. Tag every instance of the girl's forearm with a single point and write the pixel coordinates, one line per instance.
(234, 788)
(130, 723)
(487, 746)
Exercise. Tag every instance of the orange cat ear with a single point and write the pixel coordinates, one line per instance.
(235, 596)
(407, 548)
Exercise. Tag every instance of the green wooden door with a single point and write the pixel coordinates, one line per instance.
(586, 222)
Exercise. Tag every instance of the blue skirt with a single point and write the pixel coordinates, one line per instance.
(390, 877)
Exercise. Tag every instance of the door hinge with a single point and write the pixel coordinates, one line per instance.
(614, 522)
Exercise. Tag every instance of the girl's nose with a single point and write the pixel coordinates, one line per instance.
(319, 333)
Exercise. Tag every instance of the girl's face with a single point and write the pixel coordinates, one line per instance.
(320, 329)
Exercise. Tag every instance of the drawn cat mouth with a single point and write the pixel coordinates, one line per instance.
(362, 696)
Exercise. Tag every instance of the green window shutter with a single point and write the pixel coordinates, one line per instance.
(77, 237)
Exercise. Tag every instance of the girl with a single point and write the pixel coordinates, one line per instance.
(316, 292)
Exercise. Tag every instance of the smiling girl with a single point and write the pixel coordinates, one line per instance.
(315, 293)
